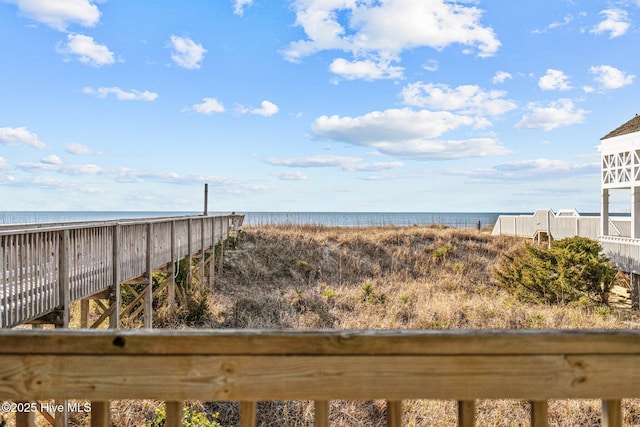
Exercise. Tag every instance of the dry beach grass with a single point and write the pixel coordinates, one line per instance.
(420, 277)
(388, 277)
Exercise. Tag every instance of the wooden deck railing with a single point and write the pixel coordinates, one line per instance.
(250, 366)
(46, 266)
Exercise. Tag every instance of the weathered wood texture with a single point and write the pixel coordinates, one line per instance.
(251, 366)
(45, 266)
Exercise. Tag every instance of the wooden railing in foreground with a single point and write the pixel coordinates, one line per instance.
(250, 366)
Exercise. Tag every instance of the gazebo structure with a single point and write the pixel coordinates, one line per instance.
(620, 150)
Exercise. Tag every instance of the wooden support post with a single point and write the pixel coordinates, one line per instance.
(189, 258)
(100, 414)
(248, 414)
(221, 259)
(202, 276)
(634, 281)
(539, 413)
(64, 277)
(212, 259)
(394, 413)
(466, 413)
(84, 313)
(115, 298)
(148, 296)
(612, 413)
(171, 293)
(175, 413)
(61, 417)
(321, 416)
(26, 418)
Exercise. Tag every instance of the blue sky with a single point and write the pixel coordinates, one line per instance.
(311, 105)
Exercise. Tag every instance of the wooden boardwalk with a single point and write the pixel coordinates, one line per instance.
(45, 267)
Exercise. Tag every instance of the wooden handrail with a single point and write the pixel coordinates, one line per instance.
(250, 366)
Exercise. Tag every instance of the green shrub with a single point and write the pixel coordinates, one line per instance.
(328, 294)
(571, 270)
(191, 418)
(442, 251)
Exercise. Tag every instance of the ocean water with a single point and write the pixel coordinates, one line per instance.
(348, 219)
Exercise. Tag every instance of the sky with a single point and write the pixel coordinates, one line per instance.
(312, 105)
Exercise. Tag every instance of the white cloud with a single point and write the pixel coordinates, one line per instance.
(291, 176)
(556, 114)
(424, 149)
(88, 51)
(468, 99)
(207, 106)
(610, 77)
(409, 134)
(59, 14)
(132, 95)
(239, 5)
(55, 165)
(187, 53)
(20, 136)
(431, 65)
(529, 170)
(616, 23)
(366, 69)
(266, 109)
(4, 165)
(354, 164)
(377, 166)
(52, 160)
(554, 80)
(394, 124)
(129, 175)
(315, 161)
(79, 149)
(556, 24)
(501, 77)
(378, 32)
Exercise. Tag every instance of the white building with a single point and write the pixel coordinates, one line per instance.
(619, 236)
(620, 151)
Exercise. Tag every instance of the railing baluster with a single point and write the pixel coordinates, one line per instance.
(148, 298)
(64, 277)
(539, 413)
(612, 413)
(247, 414)
(175, 413)
(3, 284)
(321, 416)
(25, 418)
(394, 413)
(466, 413)
(100, 414)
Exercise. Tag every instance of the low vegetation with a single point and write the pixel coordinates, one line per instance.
(570, 271)
(390, 278)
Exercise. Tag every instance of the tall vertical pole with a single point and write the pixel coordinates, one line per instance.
(206, 199)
